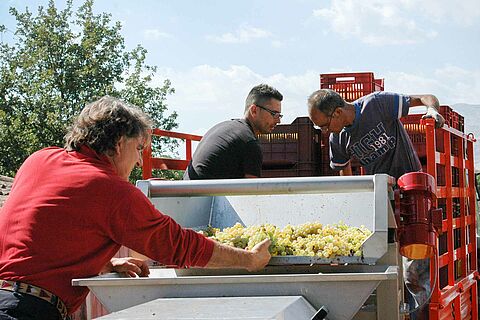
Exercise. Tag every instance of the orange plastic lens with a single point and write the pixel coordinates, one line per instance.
(417, 251)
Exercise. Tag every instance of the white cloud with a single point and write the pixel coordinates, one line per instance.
(155, 34)
(393, 22)
(464, 13)
(451, 84)
(206, 95)
(278, 44)
(243, 34)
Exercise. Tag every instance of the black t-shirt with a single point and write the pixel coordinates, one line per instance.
(229, 150)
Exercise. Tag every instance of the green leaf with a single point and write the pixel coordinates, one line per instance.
(62, 60)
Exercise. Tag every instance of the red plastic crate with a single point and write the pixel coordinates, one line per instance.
(455, 292)
(416, 132)
(291, 150)
(447, 155)
(298, 170)
(462, 307)
(452, 118)
(351, 86)
(326, 170)
(325, 157)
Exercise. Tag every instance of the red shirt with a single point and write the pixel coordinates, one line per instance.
(68, 213)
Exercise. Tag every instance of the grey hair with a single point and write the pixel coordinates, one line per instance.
(326, 101)
(102, 123)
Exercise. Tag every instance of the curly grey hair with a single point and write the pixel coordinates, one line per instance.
(102, 123)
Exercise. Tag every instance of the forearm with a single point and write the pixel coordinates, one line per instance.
(428, 100)
(224, 256)
(432, 104)
(347, 171)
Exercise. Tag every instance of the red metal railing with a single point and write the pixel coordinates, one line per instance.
(449, 158)
(150, 163)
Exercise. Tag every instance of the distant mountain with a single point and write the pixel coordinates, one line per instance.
(471, 113)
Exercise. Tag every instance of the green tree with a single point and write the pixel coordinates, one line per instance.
(60, 61)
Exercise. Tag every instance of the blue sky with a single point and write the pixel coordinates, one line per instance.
(215, 51)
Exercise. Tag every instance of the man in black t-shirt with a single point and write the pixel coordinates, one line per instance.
(230, 149)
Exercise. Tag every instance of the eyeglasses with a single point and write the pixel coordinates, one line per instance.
(274, 114)
(326, 126)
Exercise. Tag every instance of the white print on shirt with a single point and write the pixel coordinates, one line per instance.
(372, 145)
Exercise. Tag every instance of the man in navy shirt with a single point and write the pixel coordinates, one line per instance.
(231, 150)
(369, 129)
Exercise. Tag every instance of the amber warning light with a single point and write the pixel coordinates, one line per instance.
(418, 221)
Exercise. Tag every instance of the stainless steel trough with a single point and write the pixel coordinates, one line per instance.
(357, 200)
(341, 284)
(252, 308)
(343, 293)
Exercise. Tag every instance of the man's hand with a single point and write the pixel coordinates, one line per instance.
(432, 113)
(130, 266)
(261, 256)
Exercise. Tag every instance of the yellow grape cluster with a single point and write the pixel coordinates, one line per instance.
(308, 239)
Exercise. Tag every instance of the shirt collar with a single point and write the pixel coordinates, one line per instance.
(90, 153)
(247, 123)
(358, 109)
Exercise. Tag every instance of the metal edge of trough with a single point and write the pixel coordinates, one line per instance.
(342, 184)
(114, 280)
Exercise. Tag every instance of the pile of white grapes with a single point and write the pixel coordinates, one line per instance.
(309, 239)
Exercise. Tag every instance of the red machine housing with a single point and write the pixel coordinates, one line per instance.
(418, 222)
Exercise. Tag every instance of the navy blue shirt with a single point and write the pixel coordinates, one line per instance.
(377, 137)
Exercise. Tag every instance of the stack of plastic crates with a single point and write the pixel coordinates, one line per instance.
(325, 162)
(351, 86)
(452, 118)
(447, 154)
(416, 130)
(291, 150)
(326, 170)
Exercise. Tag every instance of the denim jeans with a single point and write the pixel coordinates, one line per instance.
(20, 306)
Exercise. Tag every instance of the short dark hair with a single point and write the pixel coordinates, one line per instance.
(261, 94)
(326, 101)
(102, 123)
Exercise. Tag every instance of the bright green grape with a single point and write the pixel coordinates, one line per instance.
(308, 239)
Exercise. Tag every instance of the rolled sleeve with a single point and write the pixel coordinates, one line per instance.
(141, 227)
(339, 157)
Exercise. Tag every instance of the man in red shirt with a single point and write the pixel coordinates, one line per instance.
(70, 209)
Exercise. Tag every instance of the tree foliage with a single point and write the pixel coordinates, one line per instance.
(60, 61)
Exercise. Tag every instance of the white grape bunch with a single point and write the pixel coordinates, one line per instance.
(308, 239)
